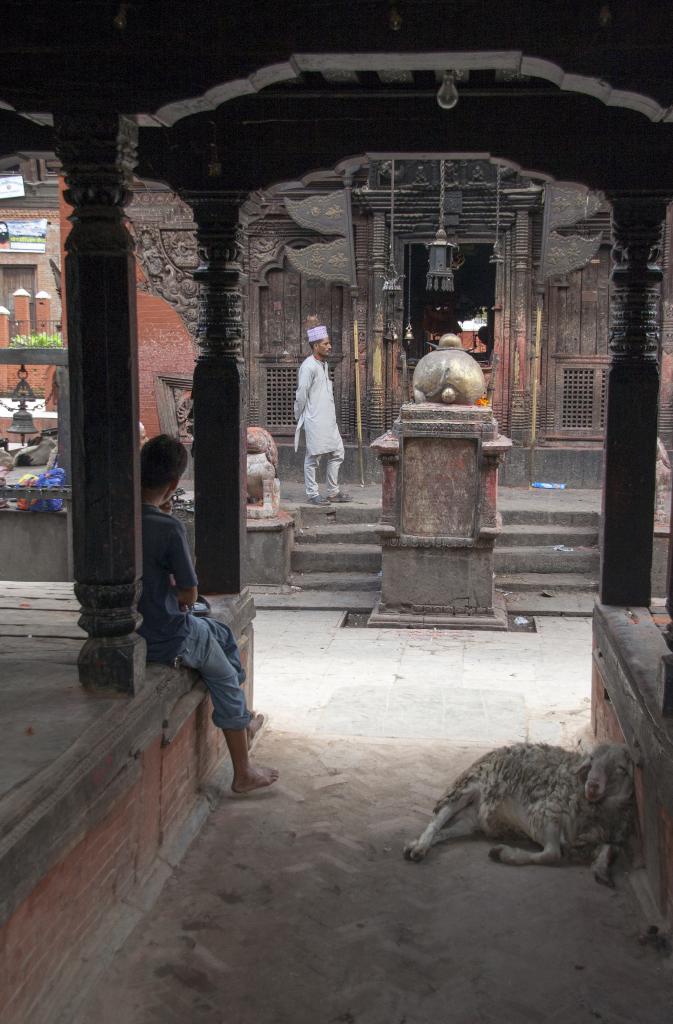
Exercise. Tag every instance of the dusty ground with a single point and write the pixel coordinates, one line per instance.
(296, 906)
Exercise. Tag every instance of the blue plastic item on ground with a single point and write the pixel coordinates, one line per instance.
(549, 487)
(52, 478)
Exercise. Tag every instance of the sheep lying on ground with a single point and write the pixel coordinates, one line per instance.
(576, 808)
(36, 454)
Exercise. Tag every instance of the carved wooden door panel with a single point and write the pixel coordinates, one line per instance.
(576, 353)
(285, 300)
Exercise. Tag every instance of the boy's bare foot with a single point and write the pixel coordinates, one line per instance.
(254, 778)
(254, 725)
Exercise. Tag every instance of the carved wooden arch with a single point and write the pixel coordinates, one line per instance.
(277, 261)
(513, 61)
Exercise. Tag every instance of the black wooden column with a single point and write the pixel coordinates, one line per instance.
(98, 154)
(219, 396)
(632, 401)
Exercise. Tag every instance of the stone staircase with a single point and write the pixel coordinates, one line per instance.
(539, 552)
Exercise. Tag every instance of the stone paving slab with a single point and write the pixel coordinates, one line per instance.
(468, 687)
(296, 907)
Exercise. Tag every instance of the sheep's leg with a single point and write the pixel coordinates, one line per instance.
(602, 865)
(437, 832)
(465, 825)
(549, 854)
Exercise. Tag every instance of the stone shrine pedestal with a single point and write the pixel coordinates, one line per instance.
(439, 519)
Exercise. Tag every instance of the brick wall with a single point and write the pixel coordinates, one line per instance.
(44, 942)
(38, 376)
(655, 824)
(165, 348)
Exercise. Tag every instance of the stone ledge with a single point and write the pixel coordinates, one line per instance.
(628, 648)
(45, 818)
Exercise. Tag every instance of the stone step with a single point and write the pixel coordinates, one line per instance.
(536, 535)
(558, 602)
(540, 516)
(330, 515)
(338, 533)
(358, 582)
(313, 600)
(550, 582)
(339, 558)
(545, 560)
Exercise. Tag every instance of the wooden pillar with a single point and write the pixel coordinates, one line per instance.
(632, 401)
(219, 396)
(378, 266)
(97, 152)
(666, 360)
(519, 318)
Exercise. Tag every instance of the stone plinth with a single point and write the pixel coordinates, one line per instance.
(269, 549)
(439, 518)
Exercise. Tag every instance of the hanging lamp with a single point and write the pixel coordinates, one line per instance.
(408, 330)
(22, 421)
(497, 256)
(440, 255)
(392, 281)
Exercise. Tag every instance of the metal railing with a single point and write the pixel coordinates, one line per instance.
(35, 333)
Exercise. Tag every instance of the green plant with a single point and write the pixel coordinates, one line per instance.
(36, 340)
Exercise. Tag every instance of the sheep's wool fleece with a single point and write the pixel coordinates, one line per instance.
(543, 781)
(314, 408)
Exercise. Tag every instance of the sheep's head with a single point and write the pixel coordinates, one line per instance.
(607, 772)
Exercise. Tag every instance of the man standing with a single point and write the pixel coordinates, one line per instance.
(314, 411)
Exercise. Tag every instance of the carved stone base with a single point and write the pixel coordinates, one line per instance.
(269, 549)
(269, 506)
(429, 617)
(113, 663)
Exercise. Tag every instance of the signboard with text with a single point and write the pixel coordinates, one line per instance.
(23, 235)
(11, 186)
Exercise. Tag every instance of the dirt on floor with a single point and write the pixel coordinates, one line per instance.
(297, 907)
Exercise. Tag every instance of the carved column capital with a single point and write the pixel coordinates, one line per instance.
(98, 154)
(219, 239)
(637, 222)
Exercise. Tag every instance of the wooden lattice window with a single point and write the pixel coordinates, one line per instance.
(281, 384)
(578, 398)
(581, 394)
(604, 396)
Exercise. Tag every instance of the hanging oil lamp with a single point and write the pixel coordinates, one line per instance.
(441, 250)
(497, 256)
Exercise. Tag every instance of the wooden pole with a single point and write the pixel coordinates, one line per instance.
(358, 404)
(534, 388)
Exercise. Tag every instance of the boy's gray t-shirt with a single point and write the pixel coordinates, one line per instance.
(167, 563)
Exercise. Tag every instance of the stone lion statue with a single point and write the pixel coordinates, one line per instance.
(449, 375)
(263, 485)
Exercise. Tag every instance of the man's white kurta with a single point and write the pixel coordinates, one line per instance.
(314, 408)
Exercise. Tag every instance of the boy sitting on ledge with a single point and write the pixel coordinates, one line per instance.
(173, 635)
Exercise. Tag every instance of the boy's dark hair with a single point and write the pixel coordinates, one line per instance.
(163, 459)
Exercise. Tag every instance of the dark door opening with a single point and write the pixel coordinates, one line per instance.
(432, 314)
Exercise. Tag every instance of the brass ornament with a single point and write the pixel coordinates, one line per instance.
(449, 375)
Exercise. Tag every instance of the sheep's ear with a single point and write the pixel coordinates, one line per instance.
(584, 768)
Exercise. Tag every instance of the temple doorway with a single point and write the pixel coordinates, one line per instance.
(468, 310)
